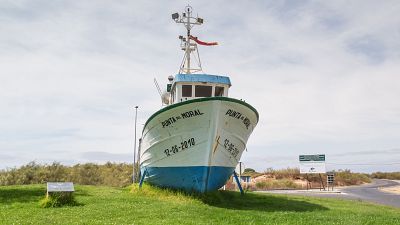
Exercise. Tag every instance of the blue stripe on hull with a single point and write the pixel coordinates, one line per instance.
(190, 178)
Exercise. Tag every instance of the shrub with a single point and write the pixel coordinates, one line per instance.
(262, 185)
(386, 175)
(292, 173)
(110, 174)
(277, 184)
(57, 200)
(346, 177)
(249, 170)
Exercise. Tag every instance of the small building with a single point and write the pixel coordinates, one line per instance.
(245, 178)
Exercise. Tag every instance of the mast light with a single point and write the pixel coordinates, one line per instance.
(200, 20)
(175, 16)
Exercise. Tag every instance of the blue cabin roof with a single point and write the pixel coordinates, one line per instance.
(202, 78)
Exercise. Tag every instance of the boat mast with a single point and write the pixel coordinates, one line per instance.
(188, 21)
(188, 50)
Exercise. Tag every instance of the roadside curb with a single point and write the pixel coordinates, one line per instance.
(299, 191)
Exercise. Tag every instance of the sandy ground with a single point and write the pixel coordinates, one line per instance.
(393, 190)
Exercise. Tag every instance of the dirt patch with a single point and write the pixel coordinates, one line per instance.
(393, 190)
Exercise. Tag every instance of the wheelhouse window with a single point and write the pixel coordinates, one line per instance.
(186, 90)
(203, 91)
(219, 91)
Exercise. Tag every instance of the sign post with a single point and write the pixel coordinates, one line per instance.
(312, 164)
(330, 180)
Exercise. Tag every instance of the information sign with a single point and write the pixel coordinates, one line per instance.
(312, 163)
(60, 187)
(330, 178)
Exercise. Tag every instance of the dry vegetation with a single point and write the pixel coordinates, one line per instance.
(386, 175)
(290, 178)
(120, 175)
(109, 174)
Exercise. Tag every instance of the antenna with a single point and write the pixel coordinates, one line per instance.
(189, 22)
(158, 88)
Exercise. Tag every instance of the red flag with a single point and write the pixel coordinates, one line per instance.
(202, 42)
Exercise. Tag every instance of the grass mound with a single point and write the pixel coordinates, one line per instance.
(225, 199)
(57, 200)
(164, 194)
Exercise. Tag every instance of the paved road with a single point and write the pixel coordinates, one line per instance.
(368, 192)
(371, 192)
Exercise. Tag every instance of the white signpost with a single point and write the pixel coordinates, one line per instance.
(312, 168)
(312, 164)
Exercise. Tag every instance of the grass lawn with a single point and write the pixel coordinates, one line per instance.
(106, 205)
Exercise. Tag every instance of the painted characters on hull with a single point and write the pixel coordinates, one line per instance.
(228, 145)
(184, 115)
(239, 116)
(192, 113)
(231, 148)
(190, 142)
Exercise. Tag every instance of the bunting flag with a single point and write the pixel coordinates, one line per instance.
(202, 42)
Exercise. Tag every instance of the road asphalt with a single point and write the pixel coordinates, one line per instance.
(368, 192)
(371, 192)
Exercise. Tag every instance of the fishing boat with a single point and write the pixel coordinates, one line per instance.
(196, 140)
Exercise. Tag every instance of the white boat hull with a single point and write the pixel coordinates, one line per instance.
(196, 144)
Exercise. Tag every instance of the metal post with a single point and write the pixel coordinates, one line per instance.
(189, 12)
(322, 182)
(238, 183)
(134, 149)
(142, 178)
(138, 160)
(240, 172)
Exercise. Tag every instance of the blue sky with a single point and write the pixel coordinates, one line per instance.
(324, 76)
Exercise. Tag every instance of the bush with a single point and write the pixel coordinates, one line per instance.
(346, 177)
(262, 185)
(386, 175)
(57, 200)
(249, 170)
(290, 173)
(277, 184)
(285, 178)
(109, 174)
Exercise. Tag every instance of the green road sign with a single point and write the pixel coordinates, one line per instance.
(308, 158)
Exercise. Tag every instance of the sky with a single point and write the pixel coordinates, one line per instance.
(323, 75)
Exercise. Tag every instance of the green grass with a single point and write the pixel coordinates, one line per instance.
(105, 205)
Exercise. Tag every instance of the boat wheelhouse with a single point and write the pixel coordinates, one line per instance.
(192, 86)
